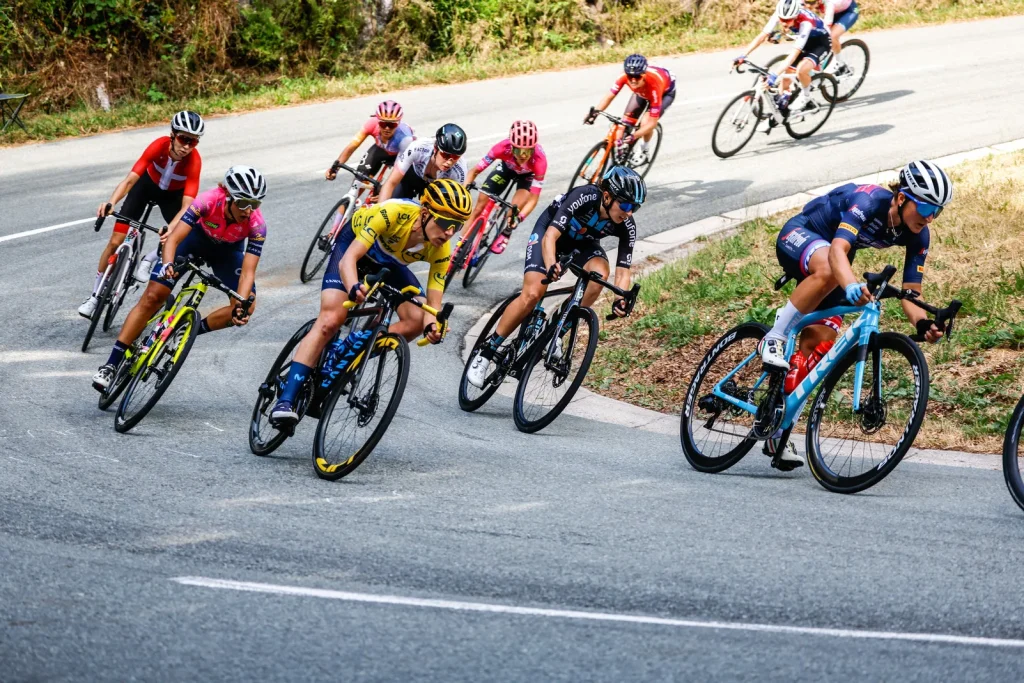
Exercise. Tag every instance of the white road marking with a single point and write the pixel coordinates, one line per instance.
(61, 373)
(461, 606)
(213, 427)
(32, 356)
(39, 231)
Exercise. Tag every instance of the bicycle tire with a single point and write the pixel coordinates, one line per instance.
(825, 84)
(825, 472)
(118, 298)
(856, 44)
(483, 249)
(523, 422)
(646, 166)
(117, 385)
(458, 259)
(724, 153)
(599, 148)
(307, 273)
(470, 403)
(332, 472)
(1011, 461)
(103, 299)
(265, 444)
(125, 421)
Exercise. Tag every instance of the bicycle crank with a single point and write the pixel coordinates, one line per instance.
(771, 409)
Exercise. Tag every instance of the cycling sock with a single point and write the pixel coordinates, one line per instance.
(297, 374)
(96, 284)
(117, 354)
(204, 326)
(786, 319)
(494, 341)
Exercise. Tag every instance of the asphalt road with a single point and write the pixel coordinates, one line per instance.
(462, 549)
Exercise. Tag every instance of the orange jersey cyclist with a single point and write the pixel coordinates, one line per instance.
(167, 174)
(389, 234)
(520, 160)
(223, 227)
(654, 89)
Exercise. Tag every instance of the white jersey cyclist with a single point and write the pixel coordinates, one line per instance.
(413, 164)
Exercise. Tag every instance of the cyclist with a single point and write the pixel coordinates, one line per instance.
(839, 16)
(424, 161)
(167, 174)
(576, 221)
(390, 234)
(213, 229)
(817, 246)
(813, 41)
(390, 138)
(520, 159)
(654, 89)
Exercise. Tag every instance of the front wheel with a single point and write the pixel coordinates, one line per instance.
(320, 248)
(461, 255)
(1012, 455)
(547, 383)
(821, 100)
(593, 165)
(355, 417)
(122, 283)
(736, 124)
(495, 223)
(264, 438)
(851, 450)
(103, 300)
(641, 161)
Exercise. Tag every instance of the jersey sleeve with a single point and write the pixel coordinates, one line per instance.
(257, 234)
(439, 259)
(627, 240)
(540, 169)
(851, 221)
(369, 128)
(913, 262)
(492, 154)
(195, 168)
(404, 162)
(458, 172)
(617, 85)
(578, 200)
(830, 12)
(195, 210)
(773, 21)
(375, 225)
(803, 34)
(155, 149)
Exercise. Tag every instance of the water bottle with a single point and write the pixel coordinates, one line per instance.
(340, 354)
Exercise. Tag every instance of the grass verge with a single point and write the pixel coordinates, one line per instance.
(382, 78)
(976, 255)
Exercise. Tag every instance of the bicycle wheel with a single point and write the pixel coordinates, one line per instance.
(483, 249)
(157, 372)
(470, 397)
(103, 299)
(353, 421)
(848, 452)
(543, 391)
(121, 379)
(264, 438)
(653, 147)
(714, 434)
(320, 248)
(736, 124)
(122, 282)
(592, 166)
(458, 259)
(1012, 455)
(821, 101)
(857, 59)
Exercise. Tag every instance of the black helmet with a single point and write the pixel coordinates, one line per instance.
(451, 139)
(635, 65)
(624, 184)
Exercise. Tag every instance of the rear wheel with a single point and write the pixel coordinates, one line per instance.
(157, 372)
(645, 163)
(593, 165)
(122, 283)
(495, 223)
(103, 299)
(820, 103)
(1012, 455)
(736, 124)
(458, 260)
(470, 397)
(857, 59)
(122, 376)
(264, 438)
(320, 248)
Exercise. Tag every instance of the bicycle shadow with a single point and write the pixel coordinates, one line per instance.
(859, 101)
(820, 140)
(699, 189)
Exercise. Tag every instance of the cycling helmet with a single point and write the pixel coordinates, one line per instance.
(245, 182)
(927, 182)
(624, 184)
(188, 122)
(389, 110)
(635, 65)
(445, 198)
(523, 134)
(788, 9)
(451, 139)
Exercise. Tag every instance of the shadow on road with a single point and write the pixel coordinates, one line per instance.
(699, 189)
(819, 140)
(877, 98)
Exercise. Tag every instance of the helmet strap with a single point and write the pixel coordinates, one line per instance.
(607, 206)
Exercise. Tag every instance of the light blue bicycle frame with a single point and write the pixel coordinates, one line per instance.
(859, 335)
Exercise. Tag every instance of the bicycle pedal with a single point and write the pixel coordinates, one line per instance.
(784, 466)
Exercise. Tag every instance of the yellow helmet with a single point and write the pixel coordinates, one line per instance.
(447, 199)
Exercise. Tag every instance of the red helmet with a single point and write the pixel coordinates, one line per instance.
(523, 134)
(389, 110)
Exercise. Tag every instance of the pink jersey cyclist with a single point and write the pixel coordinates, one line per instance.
(531, 171)
(207, 212)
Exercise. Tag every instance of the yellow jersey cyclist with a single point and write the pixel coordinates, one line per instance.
(817, 247)
(575, 221)
(391, 234)
(427, 160)
(225, 228)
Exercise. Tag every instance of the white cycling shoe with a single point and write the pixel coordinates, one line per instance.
(773, 353)
(477, 374)
(88, 307)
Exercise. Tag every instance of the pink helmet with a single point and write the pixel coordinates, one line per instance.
(523, 134)
(389, 110)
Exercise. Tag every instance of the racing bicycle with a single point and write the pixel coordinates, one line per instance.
(327, 234)
(870, 405)
(476, 247)
(119, 275)
(1012, 454)
(612, 152)
(354, 396)
(744, 113)
(850, 76)
(549, 356)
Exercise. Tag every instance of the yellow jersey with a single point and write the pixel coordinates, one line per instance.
(388, 226)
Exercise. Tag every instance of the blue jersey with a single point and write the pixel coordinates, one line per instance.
(859, 214)
(577, 217)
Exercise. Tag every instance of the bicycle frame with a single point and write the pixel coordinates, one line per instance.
(189, 297)
(362, 187)
(484, 217)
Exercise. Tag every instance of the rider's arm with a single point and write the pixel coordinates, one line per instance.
(528, 206)
(179, 232)
(351, 147)
(434, 301)
(548, 248)
(830, 13)
(349, 263)
(248, 277)
(839, 262)
(391, 184)
(122, 188)
(606, 100)
(763, 36)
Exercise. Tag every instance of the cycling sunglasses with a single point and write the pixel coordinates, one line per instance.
(389, 125)
(522, 151)
(447, 224)
(924, 208)
(629, 207)
(186, 140)
(449, 157)
(244, 204)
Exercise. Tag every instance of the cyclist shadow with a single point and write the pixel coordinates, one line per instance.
(699, 189)
(823, 140)
(860, 102)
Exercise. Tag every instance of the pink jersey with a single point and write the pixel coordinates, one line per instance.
(536, 165)
(207, 212)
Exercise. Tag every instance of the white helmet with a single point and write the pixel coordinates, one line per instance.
(787, 9)
(188, 122)
(927, 182)
(245, 182)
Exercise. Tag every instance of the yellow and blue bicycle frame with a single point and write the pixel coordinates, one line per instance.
(188, 299)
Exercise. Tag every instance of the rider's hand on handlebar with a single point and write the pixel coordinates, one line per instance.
(591, 117)
(928, 329)
(237, 317)
(104, 210)
(167, 272)
(739, 60)
(434, 333)
(620, 308)
(857, 294)
(772, 79)
(331, 173)
(554, 272)
(357, 293)
(164, 232)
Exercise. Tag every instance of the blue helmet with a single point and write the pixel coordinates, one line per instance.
(635, 65)
(624, 184)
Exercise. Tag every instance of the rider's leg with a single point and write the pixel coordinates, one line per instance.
(807, 295)
(116, 240)
(410, 321)
(516, 312)
(837, 32)
(599, 265)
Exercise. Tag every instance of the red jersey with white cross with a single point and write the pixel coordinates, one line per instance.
(167, 173)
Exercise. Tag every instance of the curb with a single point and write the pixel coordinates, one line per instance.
(593, 406)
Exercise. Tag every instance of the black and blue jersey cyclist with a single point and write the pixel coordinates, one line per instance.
(817, 246)
(575, 221)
